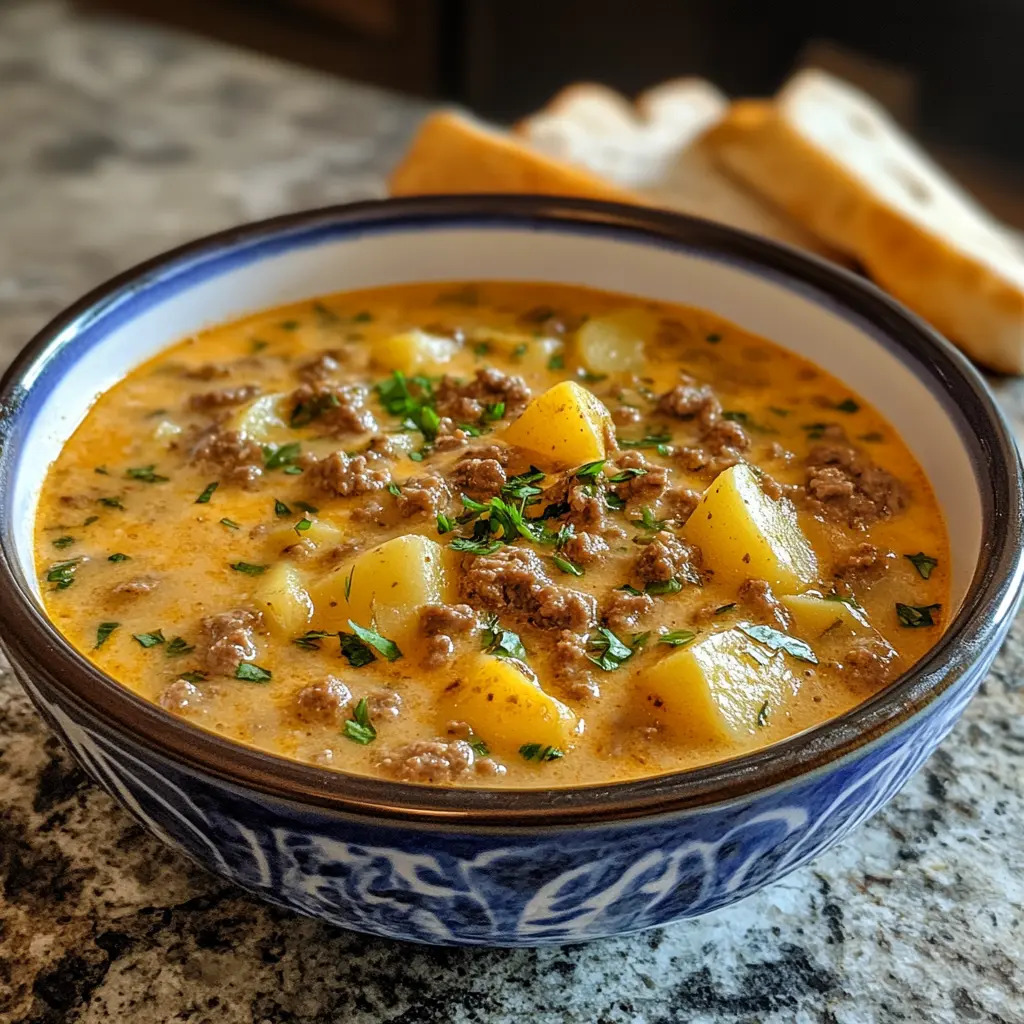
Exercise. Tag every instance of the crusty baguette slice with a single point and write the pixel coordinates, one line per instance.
(839, 165)
(452, 153)
(655, 148)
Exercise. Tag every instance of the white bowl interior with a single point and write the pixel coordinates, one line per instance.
(213, 290)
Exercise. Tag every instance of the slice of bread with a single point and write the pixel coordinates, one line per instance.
(840, 166)
(452, 153)
(655, 148)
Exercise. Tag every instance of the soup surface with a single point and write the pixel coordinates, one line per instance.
(496, 534)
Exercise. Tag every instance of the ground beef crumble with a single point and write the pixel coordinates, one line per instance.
(234, 457)
(138, 586)
(332, 408)
(758, 599)
(584, 548)
(181, 697)
(210, 401)
(573, 667)
(645, 482)
(423, 495)
(227, 639)
(513, 579)
(666, 557)
(208, 371)
(625, 610)
(844, 485)
(479, 478)
(452, 619)
(437, 762)
(869, 662)
(323, 702)
(466, 402)
(681, 503)
(344, 476)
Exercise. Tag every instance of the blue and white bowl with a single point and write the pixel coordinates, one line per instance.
(479, 867)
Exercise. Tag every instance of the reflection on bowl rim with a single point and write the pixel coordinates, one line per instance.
(992, 597)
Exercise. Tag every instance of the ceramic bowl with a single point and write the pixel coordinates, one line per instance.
(461, 866)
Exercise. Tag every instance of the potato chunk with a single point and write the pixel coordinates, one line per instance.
(283, 599)
(743, 534)
(715, 690)
(815, 615)
(323, 534)
(261, 419)
(615, 343)
(565, 426)
(506, 708)
(387, 584)
(415, 351)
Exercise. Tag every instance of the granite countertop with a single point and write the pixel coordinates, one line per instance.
(119, 141)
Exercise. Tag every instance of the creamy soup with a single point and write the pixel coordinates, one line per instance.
(495, 534)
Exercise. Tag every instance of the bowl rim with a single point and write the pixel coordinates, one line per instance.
(36, 647)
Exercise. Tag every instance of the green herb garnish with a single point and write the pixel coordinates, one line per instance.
(153, 639)
(111, 503)
(230, 524)
(147, 474)
(177, 647)
(289, 325)
(924, 564)
(570, 568)
(677, 637)
(416, 410)
(62, 573)
(310, 640)
(713, 339)
(281, 456)
(502, 643)
(281, 510)
(63, 542)
(313, 408)
(251, 673)
(394, 489)
(590, 470)
(359, 728)
(916, 616)
(556, 362)
(249, 568)
(388, 648)
(776, 640)
(348, 582)
(303, 525)
(445, 523)
(659, 442)
(540, 752)
(847, 405)
(192, 677)
(607, 651)
(648, 522)
(103, 631)
(762, 715)
(207, 493)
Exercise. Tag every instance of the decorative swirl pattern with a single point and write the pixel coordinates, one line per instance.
(518, 888)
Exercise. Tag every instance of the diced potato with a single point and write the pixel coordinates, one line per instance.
(615, 343)
(506, 708)
(716, 689)
(565, 426)
(387, 584)
(814, 615)
(743, 534)
(166, 431)
(321, 532)
(527, 352)
(283, 599)
(261, 419)
(414, 352)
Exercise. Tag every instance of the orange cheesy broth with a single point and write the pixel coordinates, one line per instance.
(135, 547)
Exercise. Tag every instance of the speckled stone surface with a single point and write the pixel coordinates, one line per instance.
(117, 142)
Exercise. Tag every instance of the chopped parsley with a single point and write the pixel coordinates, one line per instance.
(494, 411)
(394, 489)
(672, 586)
(258, 345)
(359, 728)
(310, 640)
(847, 405)
(413, 406)
(748, 421)
(147, 474)
(177, 647)
(111, 503)
(608, 652)
(249, 568)
(63, 573)
(303, 525)
(477, 745)
(815, 431)
(916, 616)
(659, 442)
(381, 644)
(556, 362)
(348, 582)
(445, 523)
(281, 510)
(568, 567)
(723, 608)
(872, 437)
(118, 556)
(63, 542)
(475, 545)
(924, 564)
(364, 316)
(776, 410)
(306, 507)
(289, 325)
(207, 494)
(762, 715)
(281, 456)
(590, 378)
(230, 524)
(312, 408)
(103, 631)
(480, 349)
(540, 752)
(713, 339)
(192, 677)
(776, 640)
(648, 522)
(147, 640)
(627, 474)
(502, 643)
(355, 652)
(590, 470)
(102, 470)
(523, 486)
(251, 673)
(677, 637)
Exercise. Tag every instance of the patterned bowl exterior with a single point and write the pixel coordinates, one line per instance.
(516, 868)
(493, 887)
